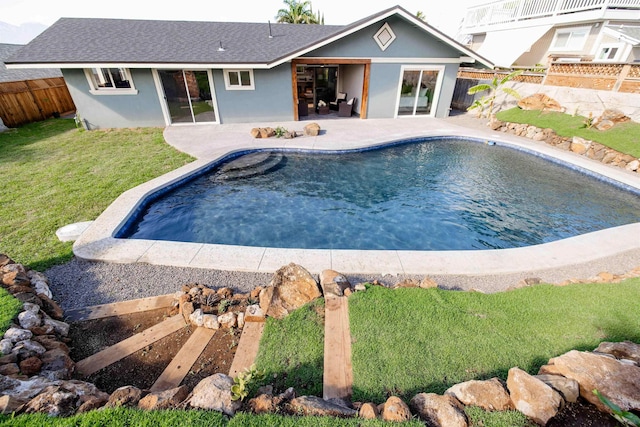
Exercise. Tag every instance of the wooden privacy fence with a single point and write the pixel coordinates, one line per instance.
(29, 101)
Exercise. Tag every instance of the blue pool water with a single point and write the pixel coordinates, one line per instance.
(444, 194)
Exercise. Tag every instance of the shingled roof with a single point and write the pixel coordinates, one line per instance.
(92, 40)
(7, 50)
(77, 41)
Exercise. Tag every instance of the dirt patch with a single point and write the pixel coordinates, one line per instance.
(142, 368)
(582, 414)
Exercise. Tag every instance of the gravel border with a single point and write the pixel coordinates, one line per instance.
(80, 283)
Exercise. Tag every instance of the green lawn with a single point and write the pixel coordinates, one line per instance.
(407, 341)
(55, 175)
(10, 307)
(624, 137)
(291, 350)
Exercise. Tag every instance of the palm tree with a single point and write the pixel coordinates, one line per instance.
(297, 12)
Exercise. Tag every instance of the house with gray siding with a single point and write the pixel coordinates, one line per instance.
(133, 73)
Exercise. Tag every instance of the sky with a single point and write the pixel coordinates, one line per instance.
(444, 15)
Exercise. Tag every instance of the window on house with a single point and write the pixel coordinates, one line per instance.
(608, 53)
(570, 39)
(110, 80)
(239, 80)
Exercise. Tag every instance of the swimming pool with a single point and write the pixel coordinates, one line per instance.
(430, 195)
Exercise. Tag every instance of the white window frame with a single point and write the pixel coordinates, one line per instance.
(570, 31)
(94, 89)
(441, 69)
(603, 46)
(227, 80)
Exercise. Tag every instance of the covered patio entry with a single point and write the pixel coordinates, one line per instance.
(322, 79)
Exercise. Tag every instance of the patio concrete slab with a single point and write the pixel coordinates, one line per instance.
(212, 142)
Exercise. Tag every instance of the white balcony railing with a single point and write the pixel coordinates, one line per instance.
(506, 11)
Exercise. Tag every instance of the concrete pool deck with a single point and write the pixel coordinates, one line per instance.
(210, 142)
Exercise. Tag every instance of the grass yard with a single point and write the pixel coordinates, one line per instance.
(407, 341)
(10, 307)
(56, 175)
(291, 350)
(624, 137)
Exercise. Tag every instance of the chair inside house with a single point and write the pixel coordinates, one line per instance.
(334, 105)
(346, 108)
(303, 107)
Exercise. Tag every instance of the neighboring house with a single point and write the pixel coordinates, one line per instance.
(125, 73)
(15, 75)
(525, 33)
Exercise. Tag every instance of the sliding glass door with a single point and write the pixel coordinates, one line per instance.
(417, 90)
(188, 96)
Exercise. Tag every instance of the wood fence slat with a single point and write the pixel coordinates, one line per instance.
(33, 100)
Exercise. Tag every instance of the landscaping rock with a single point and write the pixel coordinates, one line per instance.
(438, 410)
(255, 133)
(633, 166)
(60, 328)
(214, 393)
(540, 101)
(6, 345)
(312, 129)
(532, 397)
(369, 411)
(23, 389)
(609, 118)
(196, 318)
(240, 320)
(10, 404)
(263, 404)
(17, 334)
(30, 366)
(617, 381)
(333, 283)
(51, 307)
(621, 350)
(490, 395)
(291, 287)
(228, 320)
(57, 365)
(127, 396)
(427, 283)
(394, 409)
(28, 319)
(316, 406)
(210, 321)
(568, 388)
(10, 369)
(164, 399)
(254, 313)
(64, 398)
(580, 145)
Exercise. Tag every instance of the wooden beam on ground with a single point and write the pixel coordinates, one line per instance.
(124, 348)
(175, 372)
(338, 372)
(119, 308)
(247, 347)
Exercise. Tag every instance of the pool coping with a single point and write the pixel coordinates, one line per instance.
(212, 142)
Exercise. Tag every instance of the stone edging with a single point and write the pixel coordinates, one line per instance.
(591, 149)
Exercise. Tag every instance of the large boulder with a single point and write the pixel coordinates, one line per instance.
(568, 388)
(540, 101)
(609, 118)
(532, 397)
(291, 287)
(316, 406)
(490, 395)
(617, 381)
(436, 410)
(214, 393)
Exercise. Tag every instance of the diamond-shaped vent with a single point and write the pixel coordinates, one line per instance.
(384, 36)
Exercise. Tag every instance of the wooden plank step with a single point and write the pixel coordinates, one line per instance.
(112, 354)
(119, 308)
(338, 372)
(247, 347)
(175, 372)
